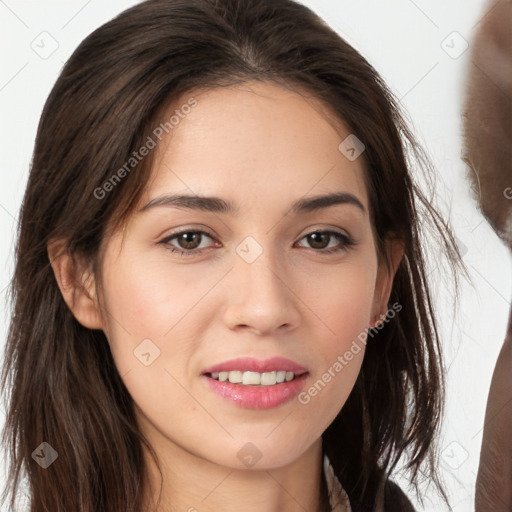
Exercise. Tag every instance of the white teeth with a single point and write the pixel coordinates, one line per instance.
(280, 376)
(254, 378)
(235, 377)
(268, 378)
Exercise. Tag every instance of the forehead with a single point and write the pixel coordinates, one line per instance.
(252, 142)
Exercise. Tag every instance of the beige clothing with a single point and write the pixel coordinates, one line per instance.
(338, 498)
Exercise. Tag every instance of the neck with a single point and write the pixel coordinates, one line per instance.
(193, 483)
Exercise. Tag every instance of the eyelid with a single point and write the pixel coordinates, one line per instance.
(325, 229)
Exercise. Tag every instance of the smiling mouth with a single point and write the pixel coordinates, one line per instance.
(254, 378)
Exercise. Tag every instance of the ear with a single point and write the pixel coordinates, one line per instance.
(76, 283)
(384, 281)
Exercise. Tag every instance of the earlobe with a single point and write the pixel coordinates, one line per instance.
(76, 283)
(384, 281)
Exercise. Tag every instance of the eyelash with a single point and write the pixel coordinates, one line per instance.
(347, 242)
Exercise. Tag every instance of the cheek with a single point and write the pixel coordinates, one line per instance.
(153, 334)
(145, 302)
(344, 301)
(151, 298)
(345, 312)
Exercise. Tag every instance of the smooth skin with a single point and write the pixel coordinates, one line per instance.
(262, 147)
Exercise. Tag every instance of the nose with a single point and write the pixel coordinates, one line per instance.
(261, 297)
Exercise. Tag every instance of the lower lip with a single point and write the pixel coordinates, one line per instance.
(257, 397)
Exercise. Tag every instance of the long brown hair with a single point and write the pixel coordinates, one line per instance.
(63, 386)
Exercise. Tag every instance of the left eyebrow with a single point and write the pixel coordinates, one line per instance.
(315, 203)
(218, 205)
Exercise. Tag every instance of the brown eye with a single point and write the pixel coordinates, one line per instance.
(321, 240)
(189, 240)
(186, 242)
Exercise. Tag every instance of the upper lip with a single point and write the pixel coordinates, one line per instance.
(250, 364)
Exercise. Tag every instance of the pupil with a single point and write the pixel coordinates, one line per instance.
(188, 238)
(314, 239)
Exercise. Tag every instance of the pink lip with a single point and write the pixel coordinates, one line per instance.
(257, 397)
(249, 364)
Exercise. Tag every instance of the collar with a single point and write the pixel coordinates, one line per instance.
(338, 498)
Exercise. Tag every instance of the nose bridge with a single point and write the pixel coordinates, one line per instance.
(262, 299)
(258, 269)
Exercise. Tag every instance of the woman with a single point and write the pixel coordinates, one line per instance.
(220, 296)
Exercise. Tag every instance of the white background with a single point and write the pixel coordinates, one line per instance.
(403, 39)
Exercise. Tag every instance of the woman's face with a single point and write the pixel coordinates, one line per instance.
(257, 280)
